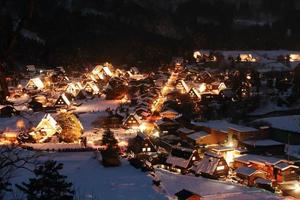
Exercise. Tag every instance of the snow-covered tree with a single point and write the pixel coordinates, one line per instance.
(71, 127)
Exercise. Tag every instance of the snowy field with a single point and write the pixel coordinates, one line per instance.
(93, 181)
(97, 104)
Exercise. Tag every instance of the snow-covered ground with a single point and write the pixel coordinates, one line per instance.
(210, 189)
(92, 181)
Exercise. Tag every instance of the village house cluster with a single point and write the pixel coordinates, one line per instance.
(188, 117)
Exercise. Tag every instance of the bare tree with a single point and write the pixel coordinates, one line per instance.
(11, 159)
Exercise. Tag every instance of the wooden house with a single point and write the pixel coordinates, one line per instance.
(181, 159)
(284, 172)
(184, 132)
(263, 163)
(142, 144)
(166, 125)
(198, 138)
(132, 121)
(264, 146)
(249, 175)
(242, 133)
(212, 165)
(62, 101)
(47, 127)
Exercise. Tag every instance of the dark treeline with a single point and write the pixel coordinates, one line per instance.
(144, 33)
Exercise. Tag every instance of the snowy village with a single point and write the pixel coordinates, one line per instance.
(188, 130)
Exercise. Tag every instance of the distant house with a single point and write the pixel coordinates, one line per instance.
(91, 88)
(212, 165)
(294, 57)
(62, 101)
(195, 95)
(132, 121)
(72, 89)
(97, 70)
(181, 159)
(182, 86)
(30, 68)
(247, 58)
(216, 87)
(35, 84)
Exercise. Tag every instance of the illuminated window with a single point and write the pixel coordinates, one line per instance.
(219, 168)
(144, 149)
(193, 158)
(148, 149)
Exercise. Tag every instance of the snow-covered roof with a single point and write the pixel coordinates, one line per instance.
(266, 142)
(180, 157)
(208, 164)
(185, 86)
(194, 90)
(93, 86)
(107, 71)
(49, 126)
(288, 123)
(284, 166)
(224, 126)
(135, 116)
(97, 69)
(246, 171)
(185, 130)
(37, 82)
(197, 135)
(210, 189)
(260, 159)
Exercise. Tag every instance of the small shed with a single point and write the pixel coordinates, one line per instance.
(187, 195)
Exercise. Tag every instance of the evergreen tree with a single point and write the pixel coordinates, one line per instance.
(48, 183)
(110, 155)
